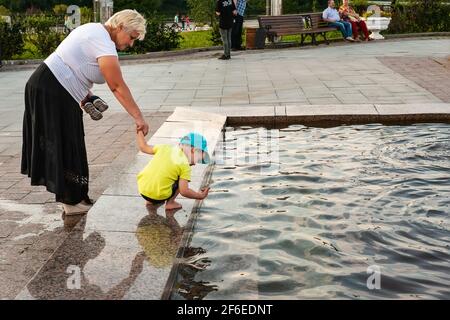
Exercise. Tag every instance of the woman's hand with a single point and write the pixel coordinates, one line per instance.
(141, 125)
(86, 99)
(110, 68)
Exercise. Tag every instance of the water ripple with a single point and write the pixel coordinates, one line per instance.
(342, 199)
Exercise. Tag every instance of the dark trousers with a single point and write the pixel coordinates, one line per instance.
(226, 39)
(236, 32)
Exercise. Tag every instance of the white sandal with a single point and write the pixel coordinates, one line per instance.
(70, 210)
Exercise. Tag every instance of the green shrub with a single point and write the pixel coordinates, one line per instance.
(409, 16)
(11, 41)
(4, 11)
(216, 38)
(41, 33)
(359, 5)
(60, 9)
(159, 37)
(87, 15)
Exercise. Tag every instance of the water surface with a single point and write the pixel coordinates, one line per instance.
(305, 214)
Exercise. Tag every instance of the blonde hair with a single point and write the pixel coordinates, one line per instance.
(130, 20)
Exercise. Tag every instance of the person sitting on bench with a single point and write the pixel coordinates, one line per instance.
(331, 15)
(349, 15)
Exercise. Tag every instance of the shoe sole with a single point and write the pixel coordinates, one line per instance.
(74, 213)
(92, 111)
(100, 105)
(76, 210)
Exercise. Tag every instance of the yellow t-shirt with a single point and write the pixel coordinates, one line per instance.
(168, 165)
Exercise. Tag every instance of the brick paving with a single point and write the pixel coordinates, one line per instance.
(432, 74)
(31, 224)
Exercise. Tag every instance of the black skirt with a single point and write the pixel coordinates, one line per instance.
(53, 149)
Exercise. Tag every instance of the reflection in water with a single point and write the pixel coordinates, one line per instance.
(66, 276)
(342, 199)
(71, 221)
(159, 237)
(186, 285)
(54, 282)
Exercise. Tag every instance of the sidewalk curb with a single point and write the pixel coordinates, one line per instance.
(15, 65)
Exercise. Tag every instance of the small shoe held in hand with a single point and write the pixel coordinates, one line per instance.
(90, 109)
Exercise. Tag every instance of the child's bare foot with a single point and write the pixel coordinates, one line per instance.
(151, 205)
(172, 205)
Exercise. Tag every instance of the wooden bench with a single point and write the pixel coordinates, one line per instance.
(293, 24)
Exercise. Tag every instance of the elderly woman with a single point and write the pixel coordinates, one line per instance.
(53, 150)
(348, 14)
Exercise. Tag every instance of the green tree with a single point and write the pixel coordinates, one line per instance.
(315, 5)
(170, 7)
(256, 7)
(60, 9)
(146, 7)
(202, 11)
(11, 40)
(159, 37)
(45, 5)
(87, 15)
(409, 16)
(4, 11)
(41, 33)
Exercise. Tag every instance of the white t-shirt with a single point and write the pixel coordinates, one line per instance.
(74, 62)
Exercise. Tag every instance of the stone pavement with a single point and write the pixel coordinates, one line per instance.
(357, 74)
(324, 75)
(432, 74)
(31, 224)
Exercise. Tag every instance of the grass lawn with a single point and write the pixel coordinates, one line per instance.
(296, 38)
(200, 39)
(195, 39)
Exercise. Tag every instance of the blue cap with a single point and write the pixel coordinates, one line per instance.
(197, 141)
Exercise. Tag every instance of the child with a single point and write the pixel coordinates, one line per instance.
(94, 106)
(169, 172)
(226, 9)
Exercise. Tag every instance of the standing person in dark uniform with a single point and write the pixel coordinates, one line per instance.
(226, 10)
(236, 33)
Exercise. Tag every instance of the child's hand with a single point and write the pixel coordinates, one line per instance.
(204, 193)
(142, 144)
